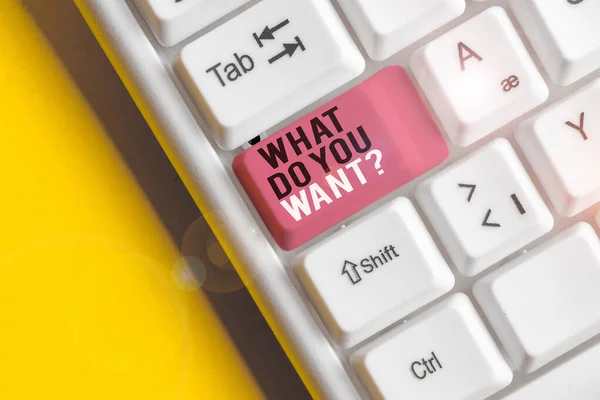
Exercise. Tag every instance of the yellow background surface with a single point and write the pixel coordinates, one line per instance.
(90, 305)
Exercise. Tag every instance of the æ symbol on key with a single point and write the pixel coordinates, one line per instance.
(510, 83)
(349, 269)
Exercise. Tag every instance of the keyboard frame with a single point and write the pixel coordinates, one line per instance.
(146, 69)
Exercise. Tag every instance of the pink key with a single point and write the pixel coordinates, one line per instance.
(330, 164)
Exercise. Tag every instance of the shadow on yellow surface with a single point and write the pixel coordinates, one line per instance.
(93, 304)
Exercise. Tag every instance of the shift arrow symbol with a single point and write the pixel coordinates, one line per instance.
(349, 269)
(288, 49)
(487, 223)
(268, 33)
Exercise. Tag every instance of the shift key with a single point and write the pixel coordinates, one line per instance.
(322, 169)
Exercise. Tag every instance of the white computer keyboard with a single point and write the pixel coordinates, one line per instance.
(408, 188)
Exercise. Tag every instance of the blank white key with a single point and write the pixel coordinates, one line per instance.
(562, 144)
(374, 272)
(387, 26)
(484, 207)
(564, 34)
(266, 64)
(545, 302)
(444, 353)
(576, 379)
(479, 76)
(172, 21)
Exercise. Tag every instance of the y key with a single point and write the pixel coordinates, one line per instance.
(562, 144)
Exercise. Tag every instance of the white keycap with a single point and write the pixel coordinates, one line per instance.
(484, 207)
(478, 77)
(172, 21)
(545, 303)
(564, 34)
(576, 379)
(387, 26)
(445, 353)
(374, 272)
(266, 64)
(562, 144)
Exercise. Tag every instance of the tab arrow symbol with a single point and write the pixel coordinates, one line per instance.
(288, 49)
(268, 33)
(472, 187)
(487, 217)
(349, 269)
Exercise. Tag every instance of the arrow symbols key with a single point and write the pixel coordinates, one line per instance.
(268, 33)
(484, 207)
(288, 49)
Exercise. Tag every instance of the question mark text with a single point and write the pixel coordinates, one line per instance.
(330, 149)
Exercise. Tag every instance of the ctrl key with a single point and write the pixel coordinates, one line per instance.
(444, 353)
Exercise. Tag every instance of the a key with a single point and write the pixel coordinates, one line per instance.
(444, 353)
(266, 64)
(484, 207)
(479, 76)
(564, 34)
(172, 21)
(374, 272)
(545, 303)
(335, 161)
(576, 378)
(562, 144)
(387, 26)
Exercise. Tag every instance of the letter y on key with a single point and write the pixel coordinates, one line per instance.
(580, 126)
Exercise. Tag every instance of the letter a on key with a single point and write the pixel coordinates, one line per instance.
(462, 49)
